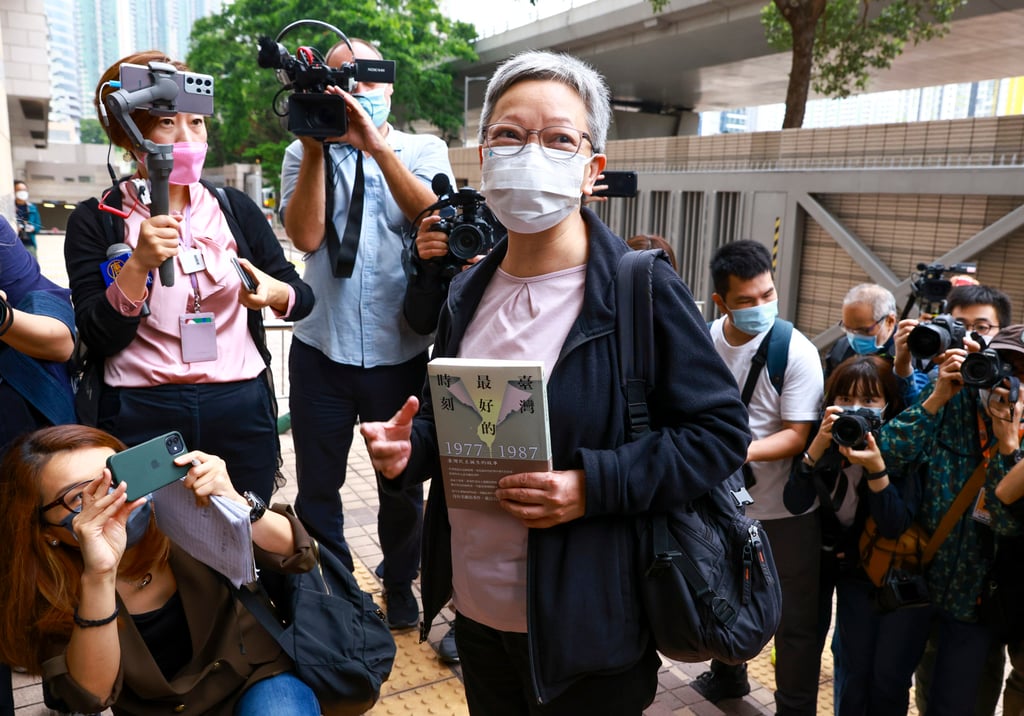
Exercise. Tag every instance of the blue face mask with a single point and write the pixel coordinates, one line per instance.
(138, 523)
(376, 105)
(862, 345)
(756, 319)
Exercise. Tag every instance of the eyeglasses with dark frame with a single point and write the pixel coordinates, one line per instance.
(505, 139)
(981, 326)
(73, 491)
(867, 331)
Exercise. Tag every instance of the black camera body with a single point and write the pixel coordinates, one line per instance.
(312, 112)
(852, 426)
(936, 336)
(931, 288)
(985, 369)
(902, 589)
(471, 226)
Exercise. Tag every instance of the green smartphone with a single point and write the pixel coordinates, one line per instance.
(149, 466)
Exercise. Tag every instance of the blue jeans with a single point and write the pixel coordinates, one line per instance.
(284, 694)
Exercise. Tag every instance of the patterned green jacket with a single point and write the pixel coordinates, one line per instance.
(949, 444)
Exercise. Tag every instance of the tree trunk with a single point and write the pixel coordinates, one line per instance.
(802, 16)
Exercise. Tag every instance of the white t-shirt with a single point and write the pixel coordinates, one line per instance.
(800, 401)
(525, 319)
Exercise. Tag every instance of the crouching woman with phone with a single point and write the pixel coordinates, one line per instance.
(98, 601)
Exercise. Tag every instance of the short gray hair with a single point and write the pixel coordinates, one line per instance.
(570, 71)
(880, 299)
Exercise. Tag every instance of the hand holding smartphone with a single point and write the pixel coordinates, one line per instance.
(150, 465)
(619, 184)
(248, 280)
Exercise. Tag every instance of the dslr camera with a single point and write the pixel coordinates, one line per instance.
(471, 226)
(852, 426)
(310, 111)
(931, 289)
(985, 369)
(936, 336)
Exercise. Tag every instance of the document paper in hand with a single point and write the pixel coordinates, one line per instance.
(219, 535)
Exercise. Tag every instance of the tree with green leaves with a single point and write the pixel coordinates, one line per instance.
(837, 44)
(414, 33)
(91, 131)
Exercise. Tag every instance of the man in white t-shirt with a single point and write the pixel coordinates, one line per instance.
(780, 423)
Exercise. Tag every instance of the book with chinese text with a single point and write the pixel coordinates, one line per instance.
(491, 419)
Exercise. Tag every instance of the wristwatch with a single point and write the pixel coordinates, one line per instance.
(259, 507)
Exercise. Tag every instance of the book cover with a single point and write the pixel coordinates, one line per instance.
(491, 419)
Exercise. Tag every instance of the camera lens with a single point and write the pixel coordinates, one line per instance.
(465, 241)
(927, 340)
(850, 430)
(174, 444)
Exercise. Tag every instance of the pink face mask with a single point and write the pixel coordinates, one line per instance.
(189, 158)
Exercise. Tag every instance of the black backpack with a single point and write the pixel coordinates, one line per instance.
(708, 580)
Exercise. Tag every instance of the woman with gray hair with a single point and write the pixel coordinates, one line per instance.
(548, 617)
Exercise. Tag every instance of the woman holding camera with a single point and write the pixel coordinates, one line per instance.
(845, 470)
(96, 599)
(191, 356)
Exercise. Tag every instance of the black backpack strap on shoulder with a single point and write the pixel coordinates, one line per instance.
(224, 199)
(757, 364)
(634, 317)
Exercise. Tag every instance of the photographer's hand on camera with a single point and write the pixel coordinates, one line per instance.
(823, 438)
(902, 364)
(870, 458)
(1006, 417)
(949, 381)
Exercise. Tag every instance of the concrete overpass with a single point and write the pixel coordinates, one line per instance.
(700, 55)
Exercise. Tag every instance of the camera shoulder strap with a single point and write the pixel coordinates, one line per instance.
(955, 511)
(342, 253)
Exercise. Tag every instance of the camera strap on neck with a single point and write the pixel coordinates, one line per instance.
(342, 253)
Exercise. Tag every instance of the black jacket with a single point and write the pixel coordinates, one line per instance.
(584, 613)
(106, 331)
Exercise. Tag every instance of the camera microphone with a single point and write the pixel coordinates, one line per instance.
(270, 53)
(440, 185)
(117, 255)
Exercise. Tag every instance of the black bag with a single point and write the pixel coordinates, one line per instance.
(709, 583)
(333, 631)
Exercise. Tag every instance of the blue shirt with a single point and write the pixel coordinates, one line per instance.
(358, 320)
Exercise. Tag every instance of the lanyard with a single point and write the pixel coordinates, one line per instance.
(185, 239)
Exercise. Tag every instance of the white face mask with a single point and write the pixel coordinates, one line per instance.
(530, 193)
(21, 195)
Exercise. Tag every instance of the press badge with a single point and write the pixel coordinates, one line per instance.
(980, 512)
(198, 337)
(191, 260)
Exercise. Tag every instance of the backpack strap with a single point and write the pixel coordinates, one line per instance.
(778, 352)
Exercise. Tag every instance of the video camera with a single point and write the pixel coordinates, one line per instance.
(310, 111)
(930, 288)
(851, 428)
(471, 226)
(936, 336)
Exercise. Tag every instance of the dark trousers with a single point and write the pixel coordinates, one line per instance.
(327, 399)
(874, 652)
(234, 421)
(497, 675)
(962, 651)
(796, 546)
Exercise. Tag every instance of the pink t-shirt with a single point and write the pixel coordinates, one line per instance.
(154, 356)
(518, 318)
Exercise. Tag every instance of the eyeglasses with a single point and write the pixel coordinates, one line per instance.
(558, 143)
(867, 331)
(70, 497)
(981, 327)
